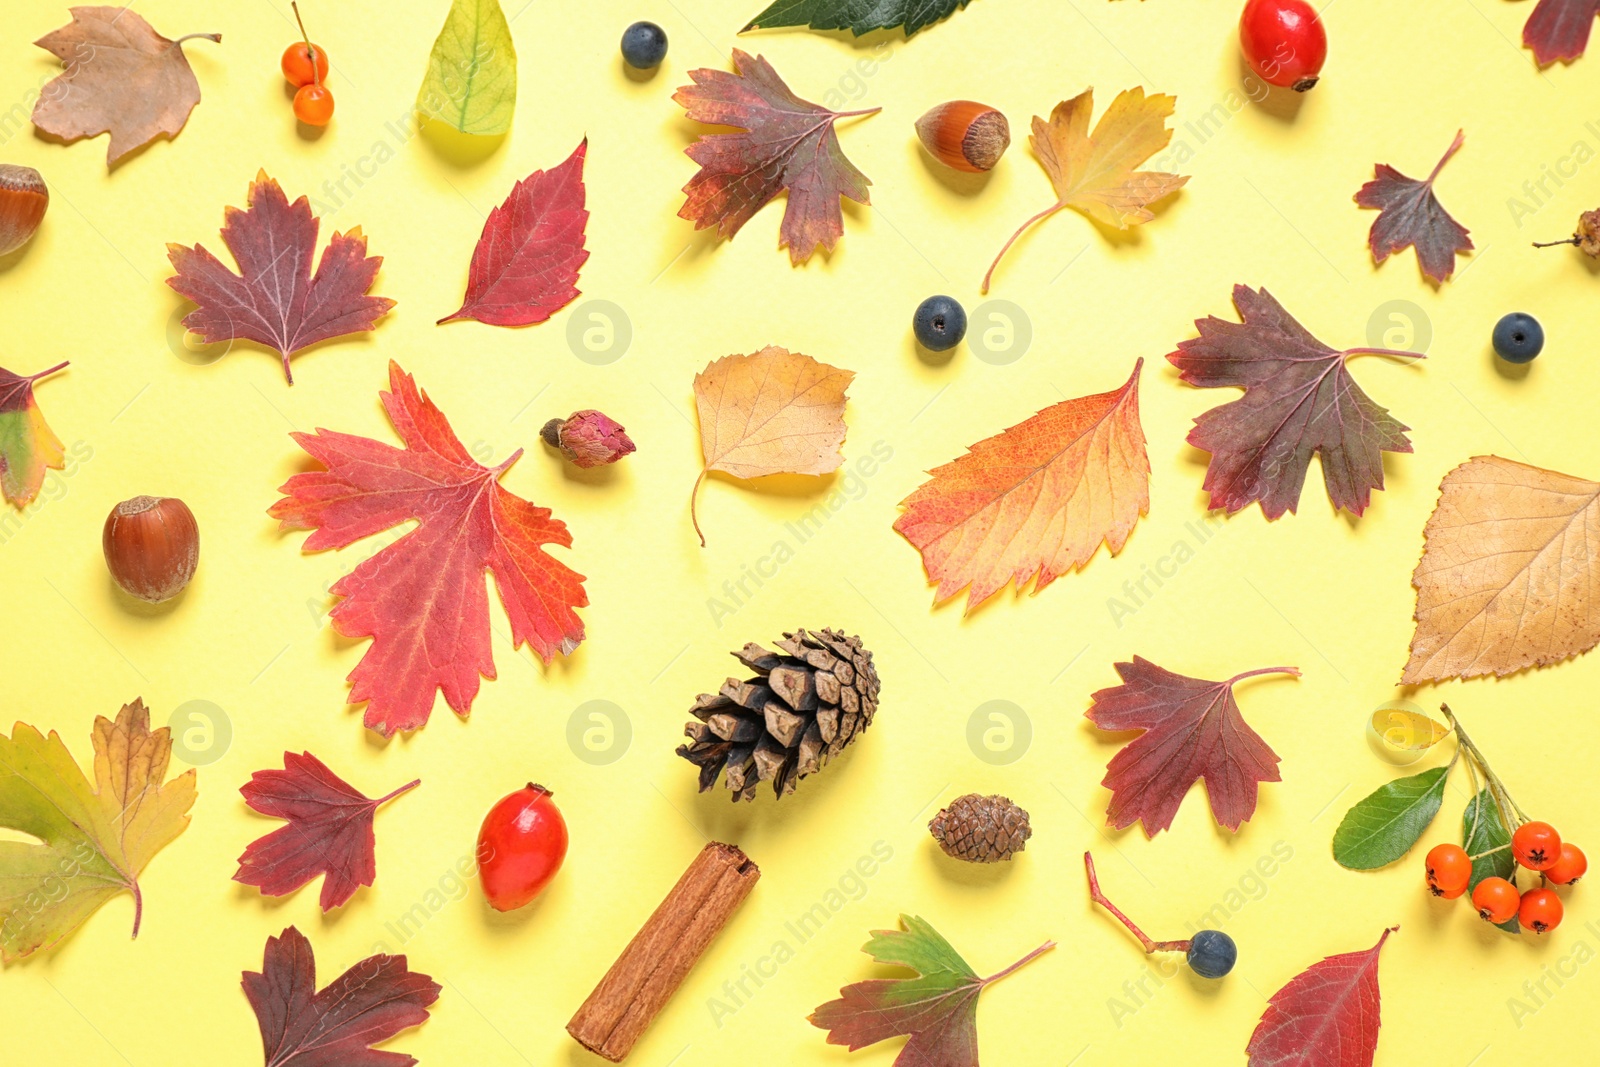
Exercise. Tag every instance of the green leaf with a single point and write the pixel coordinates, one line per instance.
(857, 16)
(1383, 827)
(471, 82)
(1488, 834)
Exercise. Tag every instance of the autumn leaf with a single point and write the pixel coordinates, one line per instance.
(93, 839)
(786, 143)
(1559, 29)
(422, 599)
(857, 16)
(525, 267)
(274, 300)
(1327, 1016)
(338, 1025)
(121, 78)
(1036, 500)
(1097, 173)
(1191, 729)
(938, 1009)
(1299, 399)
(774, 412)
(1410, 216)
(329, 831)
(27, 444)
(471, 82)
(1510, 572)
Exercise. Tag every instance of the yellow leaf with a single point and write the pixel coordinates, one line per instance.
(1406, 731)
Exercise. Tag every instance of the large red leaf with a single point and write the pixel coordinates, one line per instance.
(329, 831)
(423, 599)
(1327, 1016)
(1559, 29)
(274, 299)
(334, 1027)
(1410, 216)
(1299, 398)
(785, 143)
(1192, 729)
(525, 267)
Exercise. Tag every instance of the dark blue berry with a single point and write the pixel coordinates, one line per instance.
(1212, 954)
(940, 323)
(644, 45)
(1518, 337)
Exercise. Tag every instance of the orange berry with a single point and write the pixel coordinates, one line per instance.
(1496, 900)
(1569, 866)
(313, 105)
(1449, 871)
(304, 64)
(1540, 910)
(1537, 845)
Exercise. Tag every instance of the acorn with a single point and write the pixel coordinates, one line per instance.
(965, 135)
(152, 545)
(23, 198)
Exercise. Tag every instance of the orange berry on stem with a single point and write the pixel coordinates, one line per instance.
(1569, 866)
(1540, 910)
(313, 105)
(304, 64)
(1496, 900)
(1536, 845)
(1449, 871)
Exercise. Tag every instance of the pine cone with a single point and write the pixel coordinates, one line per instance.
(981, 829)
(803, 707)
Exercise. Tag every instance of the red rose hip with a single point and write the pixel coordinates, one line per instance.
(520, 847)
(1284, 42)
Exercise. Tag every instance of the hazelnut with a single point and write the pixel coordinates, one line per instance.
(966, 135)
(152, 545)
(23, 198)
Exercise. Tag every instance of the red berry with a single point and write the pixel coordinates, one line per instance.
(1449, 871)
(520, 847)
(1536, 845)
(313, 105)
(1540, 910)
(1496, 900)
(304, 64)
(1569, 866)
(1283, 41)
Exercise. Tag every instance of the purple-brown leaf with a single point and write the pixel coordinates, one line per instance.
(1410, 216)
(1559, 29)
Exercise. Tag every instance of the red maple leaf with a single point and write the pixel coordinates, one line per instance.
(1559, 29)
(1409, 215)
(1327, 1016)
(1192, 729)
(274, 300)
(329, 831)
(423, 599)
(1299, 399)
(787, 143)
(525, 267)
(371, 1002)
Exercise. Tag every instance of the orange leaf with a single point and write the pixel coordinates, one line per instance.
(1037, 499)
(774, 412)
(1508, 577)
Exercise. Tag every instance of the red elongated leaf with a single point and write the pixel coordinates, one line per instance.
(335, 1026)
(274, 300)
(1410, 216)
(1327, 1016)
(329, 831)
(938, 1009)
(1299, 399)
(423, 599)
(525, 267)
(27, 444)
(786, 143)
(1559, 29)
(1192, 729)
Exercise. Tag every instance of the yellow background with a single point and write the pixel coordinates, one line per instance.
(1269, 204)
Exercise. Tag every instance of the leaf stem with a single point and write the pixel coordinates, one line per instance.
(1100, 899)
(1051, 210)
(856, 114)
(1507, 805)
(1236, 679)
(46, 373)
(1023, 962)
(217, 37)
(1455, 146)
(1397, 353)
(408, 787)
(138, 906)
(693, 497)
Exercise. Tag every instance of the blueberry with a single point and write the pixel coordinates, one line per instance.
(644, 45)
(1212, 953)
(940, 323)
(1518, 337)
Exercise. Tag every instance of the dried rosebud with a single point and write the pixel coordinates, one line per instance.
(587, 438)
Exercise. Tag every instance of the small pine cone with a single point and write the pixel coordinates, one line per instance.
(981, 829)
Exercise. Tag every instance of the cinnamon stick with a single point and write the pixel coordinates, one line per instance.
(638, 985)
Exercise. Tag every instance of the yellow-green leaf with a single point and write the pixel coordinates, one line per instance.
(472, 72)
(1406, 731)
(92, 839)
